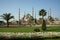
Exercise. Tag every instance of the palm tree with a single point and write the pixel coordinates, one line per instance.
(42, 13)
(7, 17)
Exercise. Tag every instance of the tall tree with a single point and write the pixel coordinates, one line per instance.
(7, 17)
(42, 13)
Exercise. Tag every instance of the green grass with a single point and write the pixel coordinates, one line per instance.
(30, 29)
(54, 29)
(18, 29)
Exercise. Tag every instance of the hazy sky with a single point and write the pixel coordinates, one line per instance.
(12, 6)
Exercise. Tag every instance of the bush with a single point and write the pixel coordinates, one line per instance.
(37, 30)
(44, 25)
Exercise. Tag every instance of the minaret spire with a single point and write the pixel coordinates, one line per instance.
(33, 12)
(35, 16)
(19, 15)
(50, 11)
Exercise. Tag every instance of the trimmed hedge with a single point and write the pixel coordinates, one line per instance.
(33, 38)
(29, 36)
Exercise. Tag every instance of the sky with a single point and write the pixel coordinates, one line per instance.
(12, 6)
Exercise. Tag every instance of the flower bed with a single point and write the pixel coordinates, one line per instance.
(36, 34)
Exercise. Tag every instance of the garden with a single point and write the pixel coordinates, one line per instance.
(30, 33)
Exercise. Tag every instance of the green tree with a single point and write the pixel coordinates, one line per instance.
(7, 17)
(42, 13)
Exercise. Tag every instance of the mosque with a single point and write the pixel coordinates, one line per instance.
(29, 19)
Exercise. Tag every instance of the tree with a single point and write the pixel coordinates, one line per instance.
(44, 25)
(7, 17)
(42, 13)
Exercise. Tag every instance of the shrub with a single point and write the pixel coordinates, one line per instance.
(37, 30)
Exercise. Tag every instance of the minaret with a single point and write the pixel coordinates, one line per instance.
(35, 16)
(48, 15)
(33, 12)
(19, 15)
(25, 13)
(50, 12)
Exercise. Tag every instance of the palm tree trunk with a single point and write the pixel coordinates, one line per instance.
(7, 23)
(43, 24)
(42, 18)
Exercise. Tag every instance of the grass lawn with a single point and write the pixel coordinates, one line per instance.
(30, 29)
